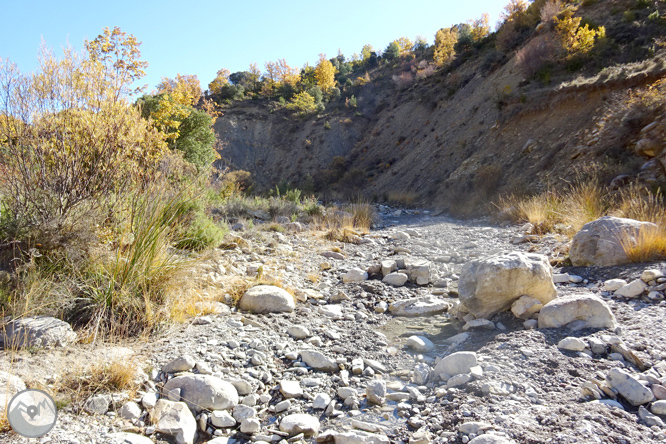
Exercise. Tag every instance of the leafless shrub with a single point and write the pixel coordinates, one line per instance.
(533, 56)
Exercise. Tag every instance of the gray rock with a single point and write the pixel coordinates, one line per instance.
(291, 389)
(572, 344)
(388, 267)
(130, 410)
(649, 419)
(355, 437)
(10, 385)
(587, 310)
(481, 324)
(355, 275)
(491, 439)
(181, 364)
(659, 408)
(321, 401)
(420, 344)
(375, 392)
(222, 418)
(458, 380)
(39, 331)
(204, 392)
(396, 279)
(318, 361)
(129, 438)
(456, 363)
(333, 255)
(97, 404)
(651, 275)
(613, 284)
(250, 425)
(525, 306)
(418, 271)
(420, 306)
(632, 289)
(267, 299)
(298, 332)
(600, 242)
(175, 419)
(300, 423)
(242, 412)
(629, 387)
(490, 285)
(149, 400)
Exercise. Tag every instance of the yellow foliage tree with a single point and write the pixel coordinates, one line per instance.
(184, 88)
(221, 80)
(255, 74)
(513, 10)
(119, 53)
(74, 136)
(445, 42)
(480, 27)
(404, 44)
(169, 114)
(324, 73)
(366, 51)
(576, 39)
(302, 102)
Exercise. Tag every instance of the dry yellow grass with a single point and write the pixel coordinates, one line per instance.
(646, 246)
(584, 202)
(405, 198)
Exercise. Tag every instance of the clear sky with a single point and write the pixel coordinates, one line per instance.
(201, 36)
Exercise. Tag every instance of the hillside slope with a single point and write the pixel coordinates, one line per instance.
(455, 140)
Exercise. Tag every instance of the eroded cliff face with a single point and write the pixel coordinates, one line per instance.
(453, 141)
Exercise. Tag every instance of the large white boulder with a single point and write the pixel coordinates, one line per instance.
(175, 418)
(578, 311)
(600, 242)
(267, 299)
(204, 392)
(38, 331)
(490, 285)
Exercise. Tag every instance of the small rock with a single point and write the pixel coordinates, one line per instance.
(649, 419)
(300, 423)
(525, 307)
(222, 418)
(395, 279)
(629, 387)
(613, 284)
(632, 289)
(298, 332)
(355, 275)
(659, 408)
(588, 310)
(181, 364)
(572, 344)
(130, 410)
(97, 405)
(250, 426)
(483, 324)
(420, 344)
(321, 401)
(456, 363)
(651, 275)
(291, 389)
(267, 299)
(376, 392)
(175, 418)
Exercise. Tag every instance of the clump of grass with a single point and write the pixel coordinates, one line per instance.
(274, 226)
(646, 245)
(584, 202)
(79, 384)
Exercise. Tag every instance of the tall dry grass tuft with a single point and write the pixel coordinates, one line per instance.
(584, 202)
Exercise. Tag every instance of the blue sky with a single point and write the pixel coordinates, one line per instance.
(199, 37)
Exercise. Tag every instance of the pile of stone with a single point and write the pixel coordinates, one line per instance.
(650, 287)
(646, 390)
(396, 272)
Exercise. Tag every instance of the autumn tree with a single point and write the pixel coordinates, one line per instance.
(120, 55)
(255, 75)
(302, 102)
(577, 39)
(514, 10)
(324, 73)
(220, 80)
(184, 88)
(420, 44)
(74, 137)
(480, 27)
(366, 52)
(404, 44)
(445, 43)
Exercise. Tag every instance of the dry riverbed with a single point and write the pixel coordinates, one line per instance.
(524, 389)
